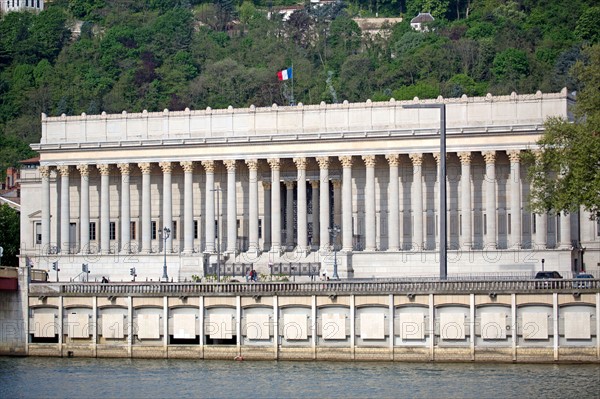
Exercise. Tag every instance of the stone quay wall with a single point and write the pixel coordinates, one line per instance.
(453, 321)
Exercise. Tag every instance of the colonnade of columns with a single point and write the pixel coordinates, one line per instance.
(344, 204)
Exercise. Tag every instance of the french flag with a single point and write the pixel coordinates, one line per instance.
(285, 74)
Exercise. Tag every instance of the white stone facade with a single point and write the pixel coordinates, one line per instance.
(370, 168)
(21, 5)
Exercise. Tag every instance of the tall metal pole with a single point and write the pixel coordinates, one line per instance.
(166, 233)
(442, 178)
(217, 190)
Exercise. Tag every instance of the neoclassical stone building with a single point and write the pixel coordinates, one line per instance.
(21, 5)
(266, 185)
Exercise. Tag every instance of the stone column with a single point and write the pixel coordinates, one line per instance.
(316, 228)
(541, 231)
(45, 174)
(125, 169)
(324, 206)
(465, 199)
(275, 205)
(337, 207)
(167, 212)
(490, 198)
(565, 231)
(188, 206)
(302, 206)
(289, 214)
(346, 161)
(104, 208)
(253, 205)
(84, 209)
(267, 215)
(209, 167)
(370, 219)
(65, 214)
(393, 201)
(438, 163)
(417, 201)
(231, 207)
(146, 168)
(515, 199)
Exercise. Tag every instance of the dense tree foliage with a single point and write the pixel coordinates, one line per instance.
(96, 55)
(565, 173)
(9, 235)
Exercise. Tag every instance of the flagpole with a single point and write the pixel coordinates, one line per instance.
(293, 73)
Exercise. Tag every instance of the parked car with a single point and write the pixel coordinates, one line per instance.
(550, 275)
(580, 280)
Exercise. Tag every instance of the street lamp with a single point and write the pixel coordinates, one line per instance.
(334, 231)
(166, 234)
(443, 216)
(218, 190)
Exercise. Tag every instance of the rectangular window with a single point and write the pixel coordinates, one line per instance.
(484, 224)
(92, 231)
(259, 229)
(533, 227)
(153, 230)
(460, 225)
(132, 231)
(174, 229)
(38, 232)
(113, 231)
(195, 229)
(216, 229)
(597, 225)
(508, 221)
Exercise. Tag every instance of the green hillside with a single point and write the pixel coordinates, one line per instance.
(95, 55)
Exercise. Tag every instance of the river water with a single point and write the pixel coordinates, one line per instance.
(125, 378)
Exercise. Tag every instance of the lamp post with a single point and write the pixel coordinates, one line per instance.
(166, 234)
(334, 231)
(443, 216)
(218, 190)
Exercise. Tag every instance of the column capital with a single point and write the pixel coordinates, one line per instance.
(437, 156)
(274, 163)
(44, 171)
(346, 161)
(465, 157)
(300, 163)
(489, 156)
(252, 164)
(104, 168)
(187, 166)
(514, 155)
(209, 166)
(145, 167)
(229, 165)
(125, 168)
(289, 185)
(64, 170)
(166, 166)
(314, 184)
(323, 162)
(337, 183)
(416, 158)
(369, 160)
(266, 185)
(84, 169)
(393, 159)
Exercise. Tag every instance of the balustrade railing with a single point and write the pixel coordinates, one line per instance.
(491, 287)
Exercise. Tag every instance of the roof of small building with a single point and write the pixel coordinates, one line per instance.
(30, 160)
(422, 17)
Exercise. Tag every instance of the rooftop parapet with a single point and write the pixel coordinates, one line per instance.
(463, 112)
